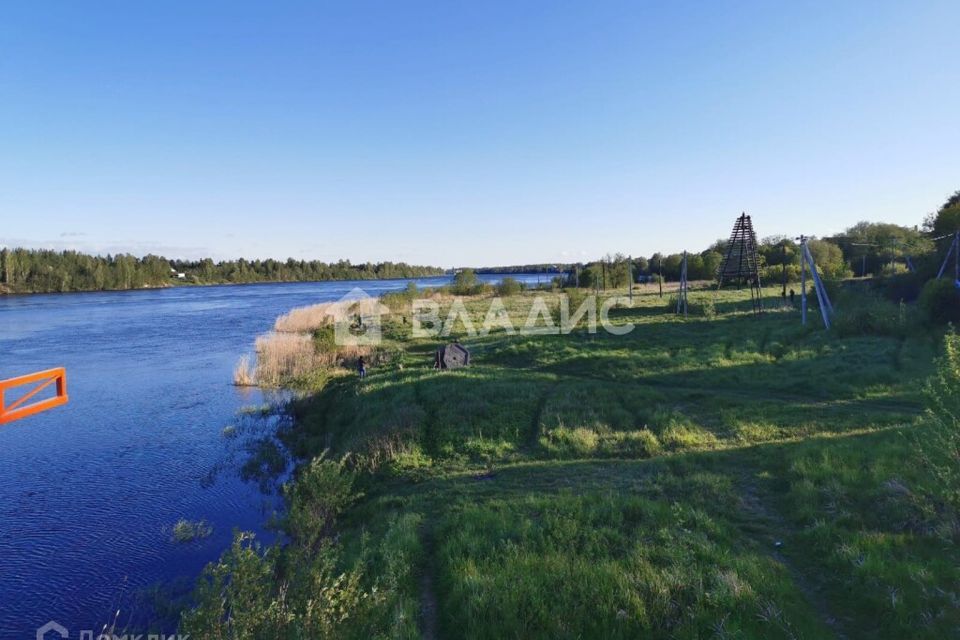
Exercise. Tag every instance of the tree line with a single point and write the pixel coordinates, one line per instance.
(863, 250)
(41, 270)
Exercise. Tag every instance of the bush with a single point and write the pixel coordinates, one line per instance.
(508, 287)
(940, 448)
(940, 301)
(866, 313)
(703, 306)
(320, 494)
(465, 282)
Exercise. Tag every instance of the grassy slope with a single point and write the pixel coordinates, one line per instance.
(710, 477)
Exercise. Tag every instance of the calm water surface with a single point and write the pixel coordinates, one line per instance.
(89, 491)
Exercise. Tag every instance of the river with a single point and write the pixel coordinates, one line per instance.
(89, 491)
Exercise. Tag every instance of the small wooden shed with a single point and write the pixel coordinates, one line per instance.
(452, 356)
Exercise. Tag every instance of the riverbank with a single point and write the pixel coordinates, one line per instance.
(718, 474)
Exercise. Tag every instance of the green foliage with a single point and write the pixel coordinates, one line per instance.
(703, 305)
(241, 596)
(400, 301)
(618, 486)
(465, 282)
(829, 260)
(947, 219)
(30, 270)
(608, 565)
(882, 247)
(508, 287)
(189, 530)
(860, 313)
(940, 446)
(321, 492)
(940, 301)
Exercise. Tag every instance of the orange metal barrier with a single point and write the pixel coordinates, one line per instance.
(19, 408)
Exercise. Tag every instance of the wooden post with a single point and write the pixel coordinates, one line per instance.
(630, 276)
(660, 265)
(803, 281)
(784, 270)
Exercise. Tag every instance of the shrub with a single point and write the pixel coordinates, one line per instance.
(317, 497)
(240, 597)
(940, 301)
(508, 287)
(867, 313)
(465, 282)
(400, 301)
(940, 447)
(703, 306)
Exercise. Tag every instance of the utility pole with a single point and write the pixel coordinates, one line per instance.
(783, 269)
(660, 279)
(955, 250)
(630, 276)
(682, 298)
(803, 280)
(826, 307)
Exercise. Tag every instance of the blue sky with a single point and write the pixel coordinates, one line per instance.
(457, 133)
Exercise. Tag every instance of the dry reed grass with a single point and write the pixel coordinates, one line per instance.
(316, 316)
(243, 373)
(287, 356)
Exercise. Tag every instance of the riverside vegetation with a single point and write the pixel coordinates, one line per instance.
(42, 270)
(723, 476)
(883, 250)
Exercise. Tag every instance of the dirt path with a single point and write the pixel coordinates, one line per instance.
(771, 529)
(429, 608)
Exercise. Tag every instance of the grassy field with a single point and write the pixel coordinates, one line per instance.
(717, 476)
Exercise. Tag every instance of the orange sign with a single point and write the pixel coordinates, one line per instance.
(22, 407)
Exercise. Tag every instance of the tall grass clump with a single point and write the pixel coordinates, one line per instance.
(187, 530)
(283, 356)
(861, 313)
(244, 374)
(288, 357)
(305, 319)
(314, 317)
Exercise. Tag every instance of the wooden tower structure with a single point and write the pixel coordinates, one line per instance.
(741, 263)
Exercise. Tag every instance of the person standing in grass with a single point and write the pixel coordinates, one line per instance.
(362, 368)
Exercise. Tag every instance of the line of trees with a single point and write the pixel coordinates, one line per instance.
(40, 270)
(865, 249)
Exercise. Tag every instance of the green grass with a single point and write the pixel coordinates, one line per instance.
(723, 476)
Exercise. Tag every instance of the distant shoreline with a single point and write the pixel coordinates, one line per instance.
(6, 292)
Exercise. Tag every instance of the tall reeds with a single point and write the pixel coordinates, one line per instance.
(317, 316)
(244, 374)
